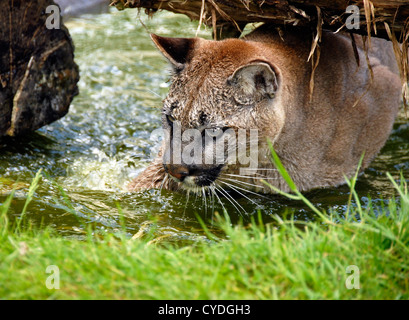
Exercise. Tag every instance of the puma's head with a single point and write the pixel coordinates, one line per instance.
(220, 92)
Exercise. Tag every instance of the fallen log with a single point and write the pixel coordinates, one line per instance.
(38, 75)
(229, 14)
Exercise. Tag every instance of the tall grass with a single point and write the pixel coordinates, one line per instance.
(308, 260)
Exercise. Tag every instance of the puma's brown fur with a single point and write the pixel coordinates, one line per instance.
(263, 81)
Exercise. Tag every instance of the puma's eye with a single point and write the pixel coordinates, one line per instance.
(170, 119)
(214, 132)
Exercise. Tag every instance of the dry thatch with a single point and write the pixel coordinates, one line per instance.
(388, 19)
(237, 13)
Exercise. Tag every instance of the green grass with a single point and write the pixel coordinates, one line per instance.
(293, 261)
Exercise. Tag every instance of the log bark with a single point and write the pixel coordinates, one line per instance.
(236, 13)
(38, 75)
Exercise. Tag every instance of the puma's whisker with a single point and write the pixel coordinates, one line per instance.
(205, 200)
(230, 198)
(241, 182)
(246, 190)
(233, 187)
(214, 190)
(249, 177)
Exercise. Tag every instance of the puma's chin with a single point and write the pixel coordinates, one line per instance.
(190, 183)
(194, 183)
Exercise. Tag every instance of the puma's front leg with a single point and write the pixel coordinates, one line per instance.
(154, 176)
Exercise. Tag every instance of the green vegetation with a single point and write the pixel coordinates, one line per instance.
(306, 260)
(122, 85)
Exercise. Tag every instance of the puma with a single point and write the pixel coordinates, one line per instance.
(262, 81)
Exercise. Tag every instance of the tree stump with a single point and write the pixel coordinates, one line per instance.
(38, 75)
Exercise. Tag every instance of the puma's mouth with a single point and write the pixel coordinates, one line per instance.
(193, 177)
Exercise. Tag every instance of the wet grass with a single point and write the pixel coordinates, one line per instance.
(123, 78)
(364, 255)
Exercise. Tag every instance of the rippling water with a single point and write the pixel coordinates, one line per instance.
(90, 155)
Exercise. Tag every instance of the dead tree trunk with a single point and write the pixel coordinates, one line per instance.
(38, 75)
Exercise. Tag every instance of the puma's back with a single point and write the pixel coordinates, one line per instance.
(263, 83)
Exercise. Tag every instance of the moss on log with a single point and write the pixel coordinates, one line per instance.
(38, 75)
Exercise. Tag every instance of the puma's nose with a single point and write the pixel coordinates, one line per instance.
(179, 172)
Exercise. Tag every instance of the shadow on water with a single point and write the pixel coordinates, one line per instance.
(90, 155)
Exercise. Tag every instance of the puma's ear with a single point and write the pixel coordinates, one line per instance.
(256, 78)
(176, 50)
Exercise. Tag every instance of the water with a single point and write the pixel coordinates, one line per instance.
(91, 154)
